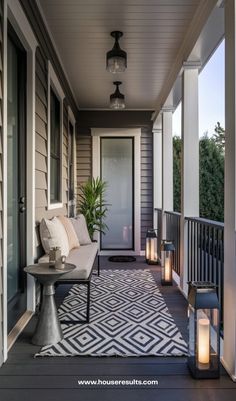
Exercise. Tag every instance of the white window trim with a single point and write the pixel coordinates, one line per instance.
(55, 84)
(97, 133)
(14, 13)
(72, 120)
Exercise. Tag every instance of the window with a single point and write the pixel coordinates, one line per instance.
(55, 140)
(55, 148)
(71, 162)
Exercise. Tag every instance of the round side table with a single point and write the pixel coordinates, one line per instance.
(48, 330)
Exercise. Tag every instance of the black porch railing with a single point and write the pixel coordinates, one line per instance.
(206, 253)
(205, 249)
(173, 234)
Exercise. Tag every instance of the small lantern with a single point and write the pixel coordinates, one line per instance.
(204, 329)
(167, 261)
(151, 247)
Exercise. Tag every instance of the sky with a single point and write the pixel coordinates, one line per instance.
(211, 96)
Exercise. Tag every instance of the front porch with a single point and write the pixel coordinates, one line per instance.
(63, 127)
(25, 377)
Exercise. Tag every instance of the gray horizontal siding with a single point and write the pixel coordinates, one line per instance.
(41, 171)
(83, 161)
(1, 183)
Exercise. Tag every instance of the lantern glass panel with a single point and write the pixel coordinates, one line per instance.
(204, 342)
(167, 265)
(192, 339)
(151, 247)
(116, 64)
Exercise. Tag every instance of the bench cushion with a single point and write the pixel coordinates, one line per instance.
(83, 258)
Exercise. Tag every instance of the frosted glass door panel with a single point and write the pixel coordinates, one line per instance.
(117, 171)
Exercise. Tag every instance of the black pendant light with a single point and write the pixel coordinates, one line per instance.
(116, 58)
(117, 99)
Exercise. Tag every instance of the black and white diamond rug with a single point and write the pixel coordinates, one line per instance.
(128, 317)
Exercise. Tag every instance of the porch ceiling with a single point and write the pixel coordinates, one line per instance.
(153, 33)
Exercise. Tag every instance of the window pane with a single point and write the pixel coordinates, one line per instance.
(71, 161)
(117, 171)
(55, 180)
(55, 149)
(12, 172)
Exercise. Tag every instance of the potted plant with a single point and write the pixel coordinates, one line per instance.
(93, 206)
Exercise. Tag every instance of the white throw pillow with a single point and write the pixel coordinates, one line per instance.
(53, 234)
(81, 229)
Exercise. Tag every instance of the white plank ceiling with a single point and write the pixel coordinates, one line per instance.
(153, 32)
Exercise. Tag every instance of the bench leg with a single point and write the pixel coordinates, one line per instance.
(98, 265)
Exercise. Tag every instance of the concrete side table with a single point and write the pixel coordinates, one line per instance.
(48, 330)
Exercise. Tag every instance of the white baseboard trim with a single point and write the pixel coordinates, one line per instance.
(232, 376)
(176, 278)
(182, 292)
(18, 328)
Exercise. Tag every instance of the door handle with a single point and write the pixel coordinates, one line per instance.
(22, 209)
(22, 200)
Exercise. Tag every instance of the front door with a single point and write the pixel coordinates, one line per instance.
(117, 169)
(16, 178)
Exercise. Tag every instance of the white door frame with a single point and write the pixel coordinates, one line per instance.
(13, 12)
(98, 133)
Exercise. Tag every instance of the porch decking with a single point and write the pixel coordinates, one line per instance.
(26, 378)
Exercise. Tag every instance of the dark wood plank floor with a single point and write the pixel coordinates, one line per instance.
(25, 378)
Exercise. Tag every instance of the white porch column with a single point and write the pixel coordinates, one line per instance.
(229, 354)
(167, 166)
(157, 169)
(190, 161)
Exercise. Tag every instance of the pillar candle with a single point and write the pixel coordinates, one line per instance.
(203, 343)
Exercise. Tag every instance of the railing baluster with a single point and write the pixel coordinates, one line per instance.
(200, 250)
(205, 253)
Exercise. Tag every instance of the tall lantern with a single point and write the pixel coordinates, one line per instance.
(204, 331)
(151, 247)
(167, 261)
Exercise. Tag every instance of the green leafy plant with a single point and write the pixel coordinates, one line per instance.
(93, 205)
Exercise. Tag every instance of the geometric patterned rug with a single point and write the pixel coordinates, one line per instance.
(128, 317)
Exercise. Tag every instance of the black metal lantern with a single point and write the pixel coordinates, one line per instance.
(116, 58)
(167, 261)
(151, 247)
(117, 99)
(204, 332)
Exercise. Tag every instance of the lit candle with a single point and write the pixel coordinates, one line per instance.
(203, 335)
(152, 251)
(167, 269)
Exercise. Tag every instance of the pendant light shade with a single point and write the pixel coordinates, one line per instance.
(117, 99)
(116, 58)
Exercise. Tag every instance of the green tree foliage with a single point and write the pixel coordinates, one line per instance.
(219, 137)
(211, 174)
(211, 159)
